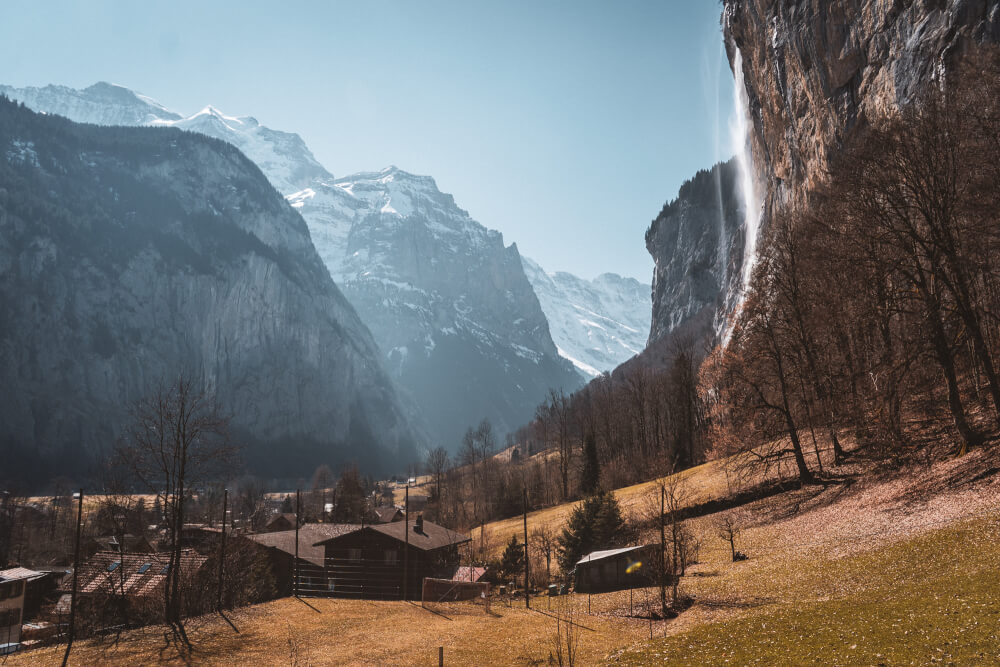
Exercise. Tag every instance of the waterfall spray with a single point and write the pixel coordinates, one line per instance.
(739, 131)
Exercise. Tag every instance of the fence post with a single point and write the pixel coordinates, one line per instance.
(222, 544)
(440, 656)
(295, 569)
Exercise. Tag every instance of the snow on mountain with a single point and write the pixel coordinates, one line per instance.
(596, 324)
(447, 301)
(100, 104)
(282, 156)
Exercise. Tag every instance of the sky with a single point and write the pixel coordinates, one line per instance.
(565, 125)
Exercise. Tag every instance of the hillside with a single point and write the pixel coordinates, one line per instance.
(877, 565)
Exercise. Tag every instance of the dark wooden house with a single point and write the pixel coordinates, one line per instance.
(280, 549)
(613, 569)
(390, 560)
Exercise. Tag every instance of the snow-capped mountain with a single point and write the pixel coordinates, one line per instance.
(448, 304)
(596, 324)
(282, 156)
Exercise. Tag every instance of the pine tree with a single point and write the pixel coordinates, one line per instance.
(512, 562)
(596, 523)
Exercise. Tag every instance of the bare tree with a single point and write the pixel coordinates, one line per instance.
(177, 440)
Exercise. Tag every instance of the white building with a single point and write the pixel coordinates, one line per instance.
(12, 585)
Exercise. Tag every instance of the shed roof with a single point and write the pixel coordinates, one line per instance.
(18, 573)
(607, 553)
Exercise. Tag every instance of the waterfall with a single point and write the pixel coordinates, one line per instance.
(739, 132)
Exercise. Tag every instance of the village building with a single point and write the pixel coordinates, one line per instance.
(613, 570)
(138, 577)
(388, 514)
(280, 522)
(370, 562)
(280, 552)
(13, 584)
(127, 543)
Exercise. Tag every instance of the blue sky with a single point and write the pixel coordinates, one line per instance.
(565, 125)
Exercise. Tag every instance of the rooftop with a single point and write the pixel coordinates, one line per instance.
(607, 553)
(430, 537)
(310, 535)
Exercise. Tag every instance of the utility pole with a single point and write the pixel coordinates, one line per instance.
(298, 502)
(222, 544)
(527, 594)
(406, 532)
(663, 560)
(76, 571)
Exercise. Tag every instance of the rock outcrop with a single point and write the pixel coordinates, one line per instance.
(130, 255)
(697, 243)
(814, 71)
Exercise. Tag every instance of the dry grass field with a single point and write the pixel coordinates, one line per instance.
(891, 567)
(360, 632)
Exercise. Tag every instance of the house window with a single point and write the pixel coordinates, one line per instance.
(114, 566)
(354, 554)
(144, 568)
(391, 556)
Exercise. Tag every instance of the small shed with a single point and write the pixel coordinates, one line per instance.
(613, 569)
(12, 587)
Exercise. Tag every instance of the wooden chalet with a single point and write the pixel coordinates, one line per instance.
(613, 569)
(280, 548)
(280, 522)
(370, 562)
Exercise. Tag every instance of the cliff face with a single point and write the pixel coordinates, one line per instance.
(816, 70)
(697, 242)
(128, 256)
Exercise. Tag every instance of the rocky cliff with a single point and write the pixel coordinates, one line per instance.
(814, 71)
(129, 255)
(697, 242)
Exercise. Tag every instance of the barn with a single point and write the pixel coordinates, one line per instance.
(370, 562)
(613, 569)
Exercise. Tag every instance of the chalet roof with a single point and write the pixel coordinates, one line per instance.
(607, 553)
(388, 514)
(136, 543)
(18, 573)
(309, 535)
(132, 576)
(431, 536)
(287, 516)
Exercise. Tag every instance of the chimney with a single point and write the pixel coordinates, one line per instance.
(418, 525)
